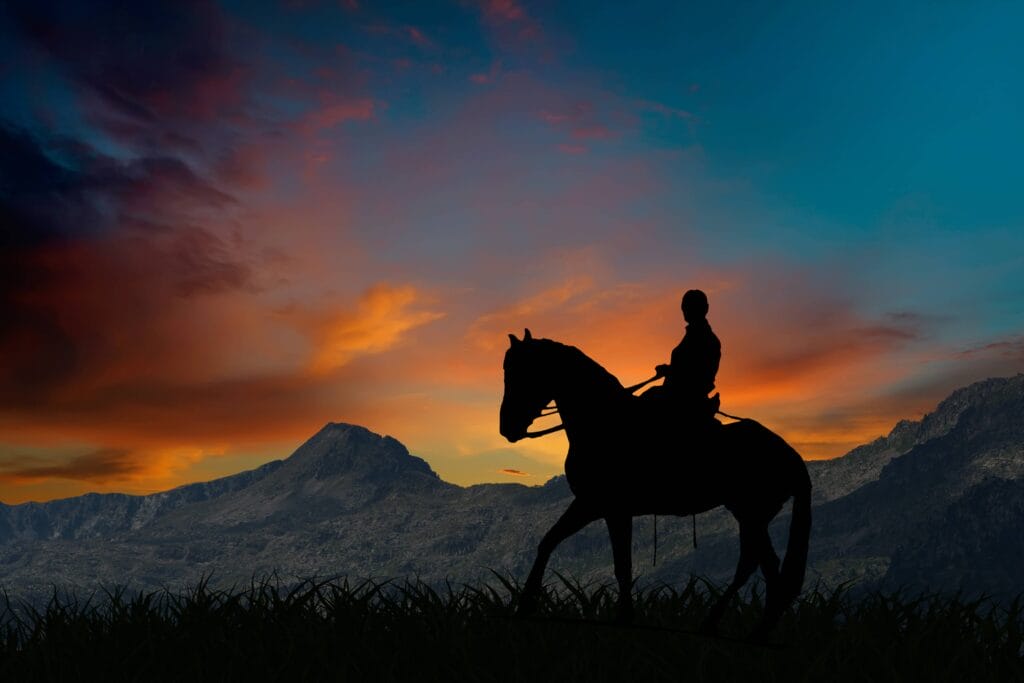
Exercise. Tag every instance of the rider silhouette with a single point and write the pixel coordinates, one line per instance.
(690, 376)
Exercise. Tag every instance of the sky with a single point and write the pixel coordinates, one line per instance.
(223, 225)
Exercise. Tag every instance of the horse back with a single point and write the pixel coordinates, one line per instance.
(756, 464)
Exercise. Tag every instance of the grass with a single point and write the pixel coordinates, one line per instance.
(336, 630)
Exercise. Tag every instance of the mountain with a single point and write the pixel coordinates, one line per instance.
(932, 508)
(936, 504)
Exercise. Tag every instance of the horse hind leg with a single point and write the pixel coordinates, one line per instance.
(750, 540)
(789, 579)
(777, 598)
(769, 559)
(620, 531)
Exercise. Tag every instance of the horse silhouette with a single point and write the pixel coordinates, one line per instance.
(622, 463)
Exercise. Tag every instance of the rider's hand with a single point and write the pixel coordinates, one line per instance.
(661, 370)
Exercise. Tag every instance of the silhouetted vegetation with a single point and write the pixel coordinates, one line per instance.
(338, 630)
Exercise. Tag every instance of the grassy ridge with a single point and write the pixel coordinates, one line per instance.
(369, 631)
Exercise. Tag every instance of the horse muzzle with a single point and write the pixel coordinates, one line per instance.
(511, 429)
(512, 434)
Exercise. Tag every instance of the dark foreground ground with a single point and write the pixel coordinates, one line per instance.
(402, 632)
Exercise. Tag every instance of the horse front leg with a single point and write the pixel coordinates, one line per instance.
(620, 531)
(575, 517)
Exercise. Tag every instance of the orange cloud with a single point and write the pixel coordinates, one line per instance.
(103, 467)
(490, 328)
(513, 473)
(382, 316)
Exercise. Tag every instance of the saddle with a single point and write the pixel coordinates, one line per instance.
(691, 417)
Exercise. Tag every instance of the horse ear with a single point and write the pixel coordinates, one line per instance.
(527, 336)
(512, 339)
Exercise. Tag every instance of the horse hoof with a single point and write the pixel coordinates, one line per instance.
(527, 606)
(760, 634)
(708, 628)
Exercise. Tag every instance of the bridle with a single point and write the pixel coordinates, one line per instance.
(554, 411)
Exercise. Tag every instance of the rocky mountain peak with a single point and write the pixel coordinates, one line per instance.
(995, 393)
(998, 393)
(345, 449)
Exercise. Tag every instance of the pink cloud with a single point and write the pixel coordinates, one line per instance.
(510, 23)
(503, 10)
(333, 114)
(553, 118)
(665, 110)
(565, 148)
(418, 37)
(594, 132)
(576, 112)
(489, 77)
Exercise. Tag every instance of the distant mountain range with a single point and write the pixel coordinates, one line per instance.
(935, 505)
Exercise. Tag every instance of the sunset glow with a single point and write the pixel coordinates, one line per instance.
(225, 225)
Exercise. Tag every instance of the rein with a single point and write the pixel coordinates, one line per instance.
(544, 432)
(554, 411)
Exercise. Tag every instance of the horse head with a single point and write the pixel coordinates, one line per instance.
(527, 386)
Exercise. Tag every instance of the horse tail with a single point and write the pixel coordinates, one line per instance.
(794, 565)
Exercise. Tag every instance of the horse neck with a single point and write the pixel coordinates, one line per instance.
(586, 394)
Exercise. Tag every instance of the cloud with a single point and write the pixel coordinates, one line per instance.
(417, 36)
(594, 132)
(330, 115)
(582, 120)
(99, 255)
(492, 327)
(665, 110)
(84, 179)
(148, 61)
(1010, 349)
(576, 113)
(55, 187)
(513, 473)
(98, 466)
(510, 22)
(383, 316)
(490, 77)
(503, 10)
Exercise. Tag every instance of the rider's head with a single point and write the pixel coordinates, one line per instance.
(695, 305)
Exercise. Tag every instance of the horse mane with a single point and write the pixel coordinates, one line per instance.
(583, 364)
